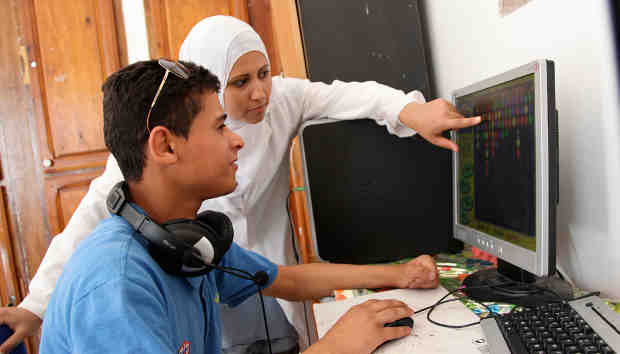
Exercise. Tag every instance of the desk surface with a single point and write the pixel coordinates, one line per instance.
(425, 337)
(453, 268)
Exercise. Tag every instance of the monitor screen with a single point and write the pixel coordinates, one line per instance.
(498, 162)
(505, 180)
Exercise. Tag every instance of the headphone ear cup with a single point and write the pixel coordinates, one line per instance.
(171, 264)
(201, 248)
(221, 231)
(218, 221)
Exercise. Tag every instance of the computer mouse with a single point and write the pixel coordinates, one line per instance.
(405, 321)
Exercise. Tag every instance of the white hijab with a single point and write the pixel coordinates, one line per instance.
(216, 43)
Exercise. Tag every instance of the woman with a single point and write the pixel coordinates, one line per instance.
(266, 113)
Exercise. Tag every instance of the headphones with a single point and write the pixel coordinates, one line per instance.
(182, 247)
(185, 247)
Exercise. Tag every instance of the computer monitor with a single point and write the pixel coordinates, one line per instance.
(506, 179)
(374, 197)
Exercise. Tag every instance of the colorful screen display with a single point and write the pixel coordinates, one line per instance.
(497, 162)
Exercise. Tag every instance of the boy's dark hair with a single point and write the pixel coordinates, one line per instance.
(127, 97)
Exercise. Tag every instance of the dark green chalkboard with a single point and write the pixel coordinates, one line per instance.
(383, 41)
(354, 40)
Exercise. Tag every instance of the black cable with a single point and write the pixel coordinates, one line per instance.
(428, 314)
(428, 307)
(441, 301)
(259, 279)
(293, 241)
(290, 222)
(262, 303)
(594, 293)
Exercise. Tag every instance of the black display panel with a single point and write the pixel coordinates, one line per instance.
(376, 197)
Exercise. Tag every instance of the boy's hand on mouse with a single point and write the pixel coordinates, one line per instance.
(420, 272)
(23, 323)
(432, 118)
(361, 329)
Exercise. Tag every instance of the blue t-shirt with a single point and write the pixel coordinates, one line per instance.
(113, 297)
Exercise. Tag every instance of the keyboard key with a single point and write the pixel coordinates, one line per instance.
(554, 347)
(535, 347)
(545, 334)
(607, 350)
(566, 343)
(590, 349)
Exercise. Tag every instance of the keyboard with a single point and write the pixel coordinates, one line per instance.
(585, 325)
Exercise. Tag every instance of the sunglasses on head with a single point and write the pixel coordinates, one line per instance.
(178, 70)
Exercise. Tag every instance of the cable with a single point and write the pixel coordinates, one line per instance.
(290, 222)
(428, 307)
(428, 314)
(491, 313)
(262, 303)
(260, 278)
(294, 242)
(594, 293)
(441, 301)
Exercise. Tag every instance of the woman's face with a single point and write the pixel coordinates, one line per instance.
(248, 88)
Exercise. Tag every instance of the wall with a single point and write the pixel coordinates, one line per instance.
(470, 41)
(135, 28)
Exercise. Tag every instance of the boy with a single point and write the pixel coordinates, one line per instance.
(114, 296)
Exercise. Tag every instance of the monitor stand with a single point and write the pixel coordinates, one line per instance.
(510, 284)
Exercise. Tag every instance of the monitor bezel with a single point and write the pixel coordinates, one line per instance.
(308, 193)
(536, 262)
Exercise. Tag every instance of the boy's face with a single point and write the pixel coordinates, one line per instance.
(207, 158)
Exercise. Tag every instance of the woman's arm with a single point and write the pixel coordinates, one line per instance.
(402, 114)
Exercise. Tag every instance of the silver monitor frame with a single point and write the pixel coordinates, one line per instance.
(536, 262)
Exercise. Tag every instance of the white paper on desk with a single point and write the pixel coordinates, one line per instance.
(425, 336)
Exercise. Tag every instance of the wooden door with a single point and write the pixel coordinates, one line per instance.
(54, 57)
(71, 47)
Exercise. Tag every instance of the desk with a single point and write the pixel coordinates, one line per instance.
(453, 268)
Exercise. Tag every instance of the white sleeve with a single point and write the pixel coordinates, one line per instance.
(89, 213)
(352, 100)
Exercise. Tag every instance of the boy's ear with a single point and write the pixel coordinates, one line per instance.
(160, 146)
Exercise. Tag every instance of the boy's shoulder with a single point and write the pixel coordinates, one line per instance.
(110, 253)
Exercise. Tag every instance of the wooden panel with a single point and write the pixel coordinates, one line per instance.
(261, 19)
(78, 50)
(169, 21)
(299, 207)
(287, 37)
(182, 15)
(121, 34)
(9, 288)
(64, 194)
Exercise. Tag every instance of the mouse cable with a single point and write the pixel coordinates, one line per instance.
(442, 301)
